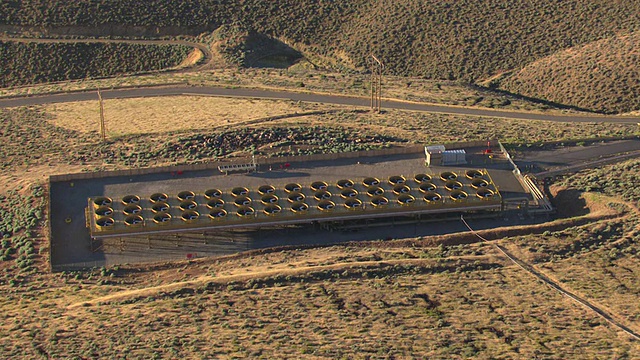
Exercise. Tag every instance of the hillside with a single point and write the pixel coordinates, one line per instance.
(465, 40)
(32, 63)
(602, 76)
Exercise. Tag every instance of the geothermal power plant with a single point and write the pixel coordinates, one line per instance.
(220, 208)
(291, 203)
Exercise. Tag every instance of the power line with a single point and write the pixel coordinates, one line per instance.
(530, 269)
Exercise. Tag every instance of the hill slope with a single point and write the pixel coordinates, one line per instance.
(601, 76)
(32, 63)
(445, 39)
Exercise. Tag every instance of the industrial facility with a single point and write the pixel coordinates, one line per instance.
(224, 207)
(291, 203)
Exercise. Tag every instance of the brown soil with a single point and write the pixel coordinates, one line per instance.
(192, 59)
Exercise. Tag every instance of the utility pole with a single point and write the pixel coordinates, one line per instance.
(376, 83)
(103, 129)
(376, 66)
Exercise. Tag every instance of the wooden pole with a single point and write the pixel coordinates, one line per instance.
(376, 84)
(103, 129)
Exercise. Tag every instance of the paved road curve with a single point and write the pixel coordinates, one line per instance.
(306, 97)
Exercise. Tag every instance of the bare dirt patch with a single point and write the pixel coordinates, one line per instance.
(193, 58)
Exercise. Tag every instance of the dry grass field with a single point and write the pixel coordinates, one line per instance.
(168, 114)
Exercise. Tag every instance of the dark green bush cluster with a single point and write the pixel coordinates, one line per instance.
(297, 140)
(619, 180)
(276, 141)
(19, 216)
(30, 63)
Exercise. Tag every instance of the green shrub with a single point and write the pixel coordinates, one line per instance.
(31, 63)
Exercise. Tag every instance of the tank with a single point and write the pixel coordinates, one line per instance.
(479, 183)
(134, 220)
(186, 195)
(353, 204)
(269, 199)
(299, 207)
(266, 189)
(406, 199)
(105, 222)
(345, 183)
(401, 189)
(427, 186)
(272, 210)
(370, 181)
(132, 209)
(485, 194)
(319, 185)
(422, 178)
(432, 197)
(348, 193)
(162, 218)
(458, 195)
(242, 201)
(154, 198)
(396, 179)
(375, 190)
(378, 201)
(322, 195)
(217, 214)
(245, 211)
(448, 175)
(130, 199)
(292, 187)
(453, 185)
(326, 205)
(102, 201)
(212, 194)
(160, 207)
(215, 204)
(296, 197)
(190, 216)
(239, 191)
(473, 174)
(103, 211)
(188, 205)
